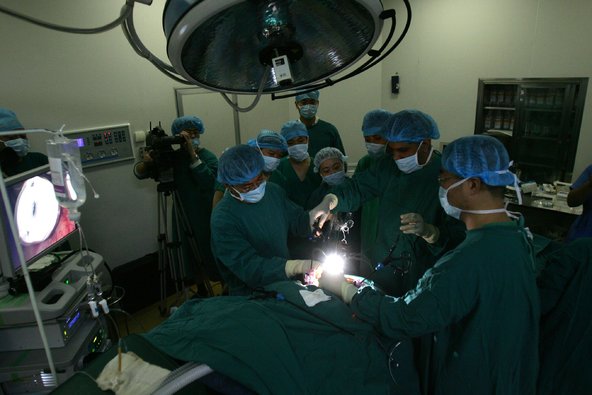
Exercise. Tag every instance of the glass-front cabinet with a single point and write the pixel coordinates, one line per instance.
(538, 120)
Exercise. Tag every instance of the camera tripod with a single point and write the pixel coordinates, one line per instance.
(170, 253)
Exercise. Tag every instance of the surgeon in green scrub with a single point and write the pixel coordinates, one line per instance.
(273, 148)
(250, 225)
(321, 133)
(413, 230)
(295, 173)
(373, 130)
(480, 301)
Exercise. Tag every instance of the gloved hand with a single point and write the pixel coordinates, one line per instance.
(413, 223)
(337, 284)
(322, 211)
(302, 266)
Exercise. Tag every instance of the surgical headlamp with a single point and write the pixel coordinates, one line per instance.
(334, 263)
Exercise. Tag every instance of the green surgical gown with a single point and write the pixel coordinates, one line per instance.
(565, 286)
(323, 134)
(250, 240)
(298, 191)
(195, 187)
(481, 304)
(401, 193)
(370, 214)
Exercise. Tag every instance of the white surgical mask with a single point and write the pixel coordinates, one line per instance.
(411, 163)
(20, 146)
(252, 196)
(271, 163)
(298, 152)
(308, 111)
(335, 178)
(375, 149)
(455, 212)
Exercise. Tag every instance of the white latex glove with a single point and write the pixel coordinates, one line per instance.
(337, 285)
(322, 211)
(413, 223)
(301, 266)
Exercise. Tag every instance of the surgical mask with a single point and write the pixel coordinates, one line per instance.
(20, 146)
(375, 149)
(335, 178)
(271, 163)
(455, 212)
(308, 111)
(195, 142)
(252, 196)
(298, 152)
(411, 163)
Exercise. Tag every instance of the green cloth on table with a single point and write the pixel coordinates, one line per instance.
(274, 347)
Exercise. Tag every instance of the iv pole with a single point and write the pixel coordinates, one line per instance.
(21, 257)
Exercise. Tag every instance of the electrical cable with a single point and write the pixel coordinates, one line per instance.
(259, 93)
(66, 29)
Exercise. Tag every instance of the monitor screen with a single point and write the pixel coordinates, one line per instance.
(42, 224)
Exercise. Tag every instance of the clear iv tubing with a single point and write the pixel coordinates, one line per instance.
(21, 258)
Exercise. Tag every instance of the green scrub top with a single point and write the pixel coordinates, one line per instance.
(298, 191)
(369, 215)
(481, 304)
(401, 193)
(323, 134)
(250, 240)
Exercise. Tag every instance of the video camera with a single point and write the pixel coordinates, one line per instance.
(159, 145)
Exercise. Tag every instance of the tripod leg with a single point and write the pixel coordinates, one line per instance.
(184, 223)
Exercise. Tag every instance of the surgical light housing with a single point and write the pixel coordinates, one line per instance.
(229, 45)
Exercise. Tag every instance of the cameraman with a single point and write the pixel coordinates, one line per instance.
(194, 170)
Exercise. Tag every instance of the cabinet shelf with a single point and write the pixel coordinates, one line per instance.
(542, 109)
(500, 108)
(502, 131)
(537, 119)
(540, 138)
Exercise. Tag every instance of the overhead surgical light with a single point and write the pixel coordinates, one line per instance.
(229, 45)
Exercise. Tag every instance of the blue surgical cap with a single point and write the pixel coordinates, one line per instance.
(328, 153)
(269, 139)
(308, 95)
(411, 126)
(188, 122)
(479, 156)
(239, 164)
(292, 129)
(9, 121)
(375, 122)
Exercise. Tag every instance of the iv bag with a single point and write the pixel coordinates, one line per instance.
(66, 174)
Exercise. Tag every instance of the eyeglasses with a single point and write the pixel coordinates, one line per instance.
(442, 180)
(248, 187)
